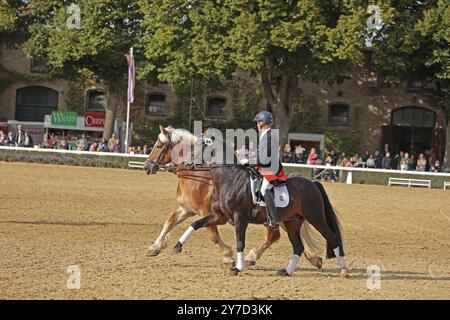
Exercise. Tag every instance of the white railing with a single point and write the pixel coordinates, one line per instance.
(134, 164)
(446, 185)
(43, 150)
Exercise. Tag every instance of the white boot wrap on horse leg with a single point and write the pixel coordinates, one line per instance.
(341, 260)
(240, 261)
(185, 237)
(293, 264)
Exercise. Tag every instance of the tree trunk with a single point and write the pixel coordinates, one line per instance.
(446, 162)
(110, 115)
(279, 99)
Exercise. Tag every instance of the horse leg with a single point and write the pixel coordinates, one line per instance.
(256, 253)
(178, 216)
(331, 238)
(226, 251)
(293, 231)
(207, 221)
(240, 223)
(272, 237)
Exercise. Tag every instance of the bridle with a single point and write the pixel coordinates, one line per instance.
(152, 166)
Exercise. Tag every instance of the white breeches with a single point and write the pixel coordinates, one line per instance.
(266, 185)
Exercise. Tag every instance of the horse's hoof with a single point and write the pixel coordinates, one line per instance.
(283, 273)
(249, 263)
(178, 247)
(234, 272)
(344, 273)
(317, 262)
(153, 253)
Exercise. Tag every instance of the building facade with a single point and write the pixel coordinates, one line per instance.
(385, 118)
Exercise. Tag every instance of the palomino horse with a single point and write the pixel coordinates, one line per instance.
(232, 199)
(194, 198)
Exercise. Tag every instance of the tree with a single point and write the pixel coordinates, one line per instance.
(95, 49)
(416, 46)
(279, 41)
(7, 16)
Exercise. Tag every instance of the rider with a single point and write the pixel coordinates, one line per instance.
(264, 121)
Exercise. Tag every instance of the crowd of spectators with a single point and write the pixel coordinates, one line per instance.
(376, 160)
(21, 138)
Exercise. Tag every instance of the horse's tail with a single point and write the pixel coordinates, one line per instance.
(332, 222)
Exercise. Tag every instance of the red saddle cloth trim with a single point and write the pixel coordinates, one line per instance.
(281, 176)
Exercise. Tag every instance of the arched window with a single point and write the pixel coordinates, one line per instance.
(413, 117)
(96, 101)
(339, 114)
(34, 102)
(215, 107)
(156, 104)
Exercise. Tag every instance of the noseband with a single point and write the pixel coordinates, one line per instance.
(154, 165)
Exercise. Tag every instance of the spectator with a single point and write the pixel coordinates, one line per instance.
(112, 142)
(436, 167)
(116, 147)
(404, 163)
(412, 163)
(19, 138)
(329, 173)
(356, 161)
(10, 141)
(286, 155)
(421, 163)
(53, 142)
(365, 156)
(298, 154)
(65, 144)
(82, 143)
(103, 146)
(370, 163)
(313, 156)
(93, 147)
(386, 162)
(139, 150)
(333, 158)
(146, 150)
(346, 163)
(28, 141)
(397, 160)
(3, 138)
(378, 159)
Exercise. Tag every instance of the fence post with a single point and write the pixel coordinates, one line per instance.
(350, 177)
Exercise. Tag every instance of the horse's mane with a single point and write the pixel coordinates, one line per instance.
(177, 136)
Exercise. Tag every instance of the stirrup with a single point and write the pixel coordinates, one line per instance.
(271, 225)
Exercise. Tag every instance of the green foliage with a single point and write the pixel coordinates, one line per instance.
(76, 96)
(7, 16)
(209, 39)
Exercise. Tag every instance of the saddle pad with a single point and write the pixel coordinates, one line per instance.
(281, 195)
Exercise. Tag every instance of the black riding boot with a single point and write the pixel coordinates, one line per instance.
(271, 210)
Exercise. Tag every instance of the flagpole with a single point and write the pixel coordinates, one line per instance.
(128, 111)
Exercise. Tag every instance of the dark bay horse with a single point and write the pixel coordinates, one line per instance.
(194, 191)
(232, 199)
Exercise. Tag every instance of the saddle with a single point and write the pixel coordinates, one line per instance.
(280, 191)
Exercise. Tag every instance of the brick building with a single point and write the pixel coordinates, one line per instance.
(397, 118)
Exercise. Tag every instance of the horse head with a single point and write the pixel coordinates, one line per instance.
(170, 146)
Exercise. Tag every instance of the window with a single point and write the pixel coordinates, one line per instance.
(156, 104)
(413, 117)
(339, 114)
(215, 108)
(39, 66)
(34, 102)
(96, 101)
